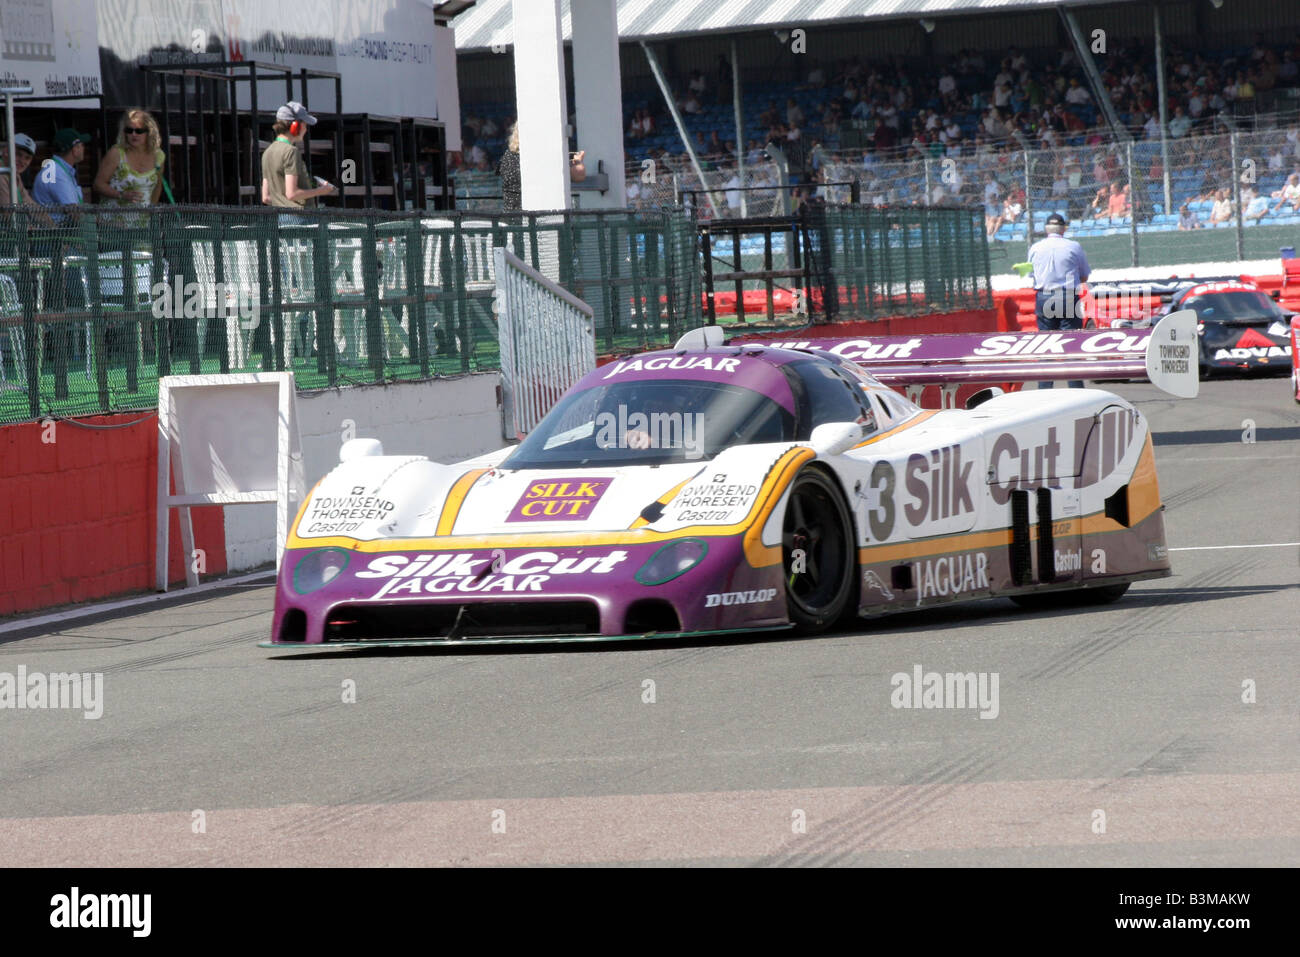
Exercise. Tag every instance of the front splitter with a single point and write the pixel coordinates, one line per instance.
(301, 646)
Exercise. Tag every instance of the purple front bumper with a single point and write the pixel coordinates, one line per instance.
(535, 593)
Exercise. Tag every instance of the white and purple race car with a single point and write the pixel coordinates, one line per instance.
(742, 487)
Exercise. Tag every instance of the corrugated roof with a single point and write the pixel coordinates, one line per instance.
(488, 22)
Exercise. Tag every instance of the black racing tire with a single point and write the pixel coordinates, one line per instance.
(1075, 598)
(1295, 386)
(822, 589)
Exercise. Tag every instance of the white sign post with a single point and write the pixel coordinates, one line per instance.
(234, 440)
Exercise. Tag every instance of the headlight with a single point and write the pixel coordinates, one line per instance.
(317, 569)
(672, 561)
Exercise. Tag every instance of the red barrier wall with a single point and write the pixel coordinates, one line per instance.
(1017, 305)
(77, 513)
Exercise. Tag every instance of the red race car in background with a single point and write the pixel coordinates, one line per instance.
(1239, 326)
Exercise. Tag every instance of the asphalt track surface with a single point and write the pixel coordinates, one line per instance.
(778, 751)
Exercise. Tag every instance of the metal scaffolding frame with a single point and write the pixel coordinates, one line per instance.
(209, 80)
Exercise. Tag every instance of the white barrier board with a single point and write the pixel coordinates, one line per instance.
(228, 440)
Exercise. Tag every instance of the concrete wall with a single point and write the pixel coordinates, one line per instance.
(445, 419)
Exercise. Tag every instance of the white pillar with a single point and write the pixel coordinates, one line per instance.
(540, 100)
(598, 93)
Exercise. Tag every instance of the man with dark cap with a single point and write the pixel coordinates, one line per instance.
(1060, 268)
(56, 183)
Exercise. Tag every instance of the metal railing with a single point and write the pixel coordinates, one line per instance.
(546, 342)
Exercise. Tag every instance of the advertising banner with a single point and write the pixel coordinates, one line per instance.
(383, 49)
(51, 46)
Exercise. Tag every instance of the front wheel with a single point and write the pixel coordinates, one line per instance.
(818, 554)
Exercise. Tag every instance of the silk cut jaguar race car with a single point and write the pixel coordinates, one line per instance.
(1240, 327)
(742, 487)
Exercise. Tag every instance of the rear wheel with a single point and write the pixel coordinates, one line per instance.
(1072, 599)
(818, 554)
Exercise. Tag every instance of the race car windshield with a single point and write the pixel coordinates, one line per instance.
(651, 423)
(1239, 304)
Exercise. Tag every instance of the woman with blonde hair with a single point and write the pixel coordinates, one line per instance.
(131, 172)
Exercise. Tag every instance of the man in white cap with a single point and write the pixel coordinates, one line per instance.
(286, 181)
(1060, 268)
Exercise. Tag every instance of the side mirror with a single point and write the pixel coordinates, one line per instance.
(983, 395)
(359, 448)
(705, 337)
(832, 438)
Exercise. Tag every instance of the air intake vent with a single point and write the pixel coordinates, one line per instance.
(506, 619)
(1117, 506)
(1021, 563)
(293, 627)
(1046, 546)
(651, 614)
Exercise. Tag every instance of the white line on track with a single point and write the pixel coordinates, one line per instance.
(1237, 458)
(1210, 548)
(85, 611)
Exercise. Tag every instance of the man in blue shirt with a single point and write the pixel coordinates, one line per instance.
(1060, 268)
(56, 187)
(56, 183)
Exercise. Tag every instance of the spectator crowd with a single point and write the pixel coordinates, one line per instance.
(983, 111)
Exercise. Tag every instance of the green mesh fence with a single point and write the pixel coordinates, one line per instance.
(869, 262)
(831, 263)
(95, 309)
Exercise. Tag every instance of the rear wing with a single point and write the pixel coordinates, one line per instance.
(1165, 354)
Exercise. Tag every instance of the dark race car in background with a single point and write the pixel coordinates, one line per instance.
(1239, 327)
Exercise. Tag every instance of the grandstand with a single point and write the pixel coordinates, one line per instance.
(930, 116)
